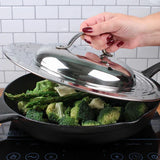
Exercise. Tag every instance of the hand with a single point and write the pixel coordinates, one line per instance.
(112, 31)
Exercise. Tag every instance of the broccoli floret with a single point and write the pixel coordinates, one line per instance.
(121, 110)
(87, 99)
(44, 85)
(67, 111)
(74, 112)
(82, 112)
(35, 115)
(21, 107)
(109, 115)
(133, 110)
(90, 123)
(55, 111)
(107, 105)
(97, 103)
(67, 120)
(64, 90)
(40, 107)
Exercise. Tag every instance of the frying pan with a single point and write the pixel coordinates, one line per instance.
(73, 134)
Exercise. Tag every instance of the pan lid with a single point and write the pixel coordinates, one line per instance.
(84, 69)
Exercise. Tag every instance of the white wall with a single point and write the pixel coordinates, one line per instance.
(52, 21)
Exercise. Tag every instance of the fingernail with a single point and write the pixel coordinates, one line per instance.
(109, 37)
(120, 44)
(87, 30)
(110, 42)
(87, 41)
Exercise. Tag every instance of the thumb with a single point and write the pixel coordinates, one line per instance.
(101, 28)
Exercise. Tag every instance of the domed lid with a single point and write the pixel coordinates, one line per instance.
(84, 69)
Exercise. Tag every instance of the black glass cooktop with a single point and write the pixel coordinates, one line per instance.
(17, 145)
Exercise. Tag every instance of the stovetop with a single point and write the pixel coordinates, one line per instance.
(17, 145)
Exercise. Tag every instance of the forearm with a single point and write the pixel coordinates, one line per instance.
(151, 33)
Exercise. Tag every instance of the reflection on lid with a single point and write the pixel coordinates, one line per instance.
(53, 63)
(103, 76)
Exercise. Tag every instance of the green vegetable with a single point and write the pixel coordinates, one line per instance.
(55, 111)
(97, 103)
(39, 107)
(82, 112)
(90, 123)
(48, 100)
(43, 88)
(21, 107)
(35, 115)
(109, 115)
(64, 90)
(134, 110)
(67, 120)
(67, 111)
(44, 85)
(87, 99)
(26, 96)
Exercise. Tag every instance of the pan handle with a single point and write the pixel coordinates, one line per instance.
(6, 114)
(151, 71)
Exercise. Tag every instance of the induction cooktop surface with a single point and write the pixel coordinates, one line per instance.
(15, 144)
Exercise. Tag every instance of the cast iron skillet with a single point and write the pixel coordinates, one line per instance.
(72, 134)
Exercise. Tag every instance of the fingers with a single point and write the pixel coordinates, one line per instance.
(91, 21)
(96, 19)
(105, 41)
(115, 46)
(99, 42)
(99, 30)
(110, 26)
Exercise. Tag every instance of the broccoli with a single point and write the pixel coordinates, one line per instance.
(44, 85)
(64, 90)
(55, 111)
(67, 111)
(133, 110)
(109, 115)
(97, 103)
(87, 99)
(35, 115)
(107, 105)
(40, 107)
(47, 99)
(81, 111)
(90, 123)
(43, 88)
(28, 95)
(67, 120)
(21, 107)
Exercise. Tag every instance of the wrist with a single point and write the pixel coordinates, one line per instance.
(150, 35)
